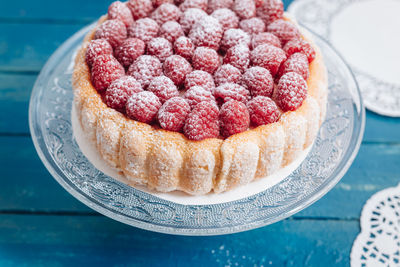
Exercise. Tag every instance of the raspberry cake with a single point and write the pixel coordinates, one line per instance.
(199, 96)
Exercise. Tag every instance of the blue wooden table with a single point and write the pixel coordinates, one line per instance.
(41, 224)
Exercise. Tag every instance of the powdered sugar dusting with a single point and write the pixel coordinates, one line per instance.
(207, 32)
(145, 68)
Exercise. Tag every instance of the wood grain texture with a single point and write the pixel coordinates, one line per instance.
(83, 240)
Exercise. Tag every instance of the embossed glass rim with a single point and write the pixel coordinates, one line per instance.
(35, 113)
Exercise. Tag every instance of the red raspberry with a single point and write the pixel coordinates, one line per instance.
(227, 74)
(163, 88)
(226, 17)
(265, 38)
(202, 122)
(160, 47)
(197, 94)
(268, 56)
(178, 2)
(166, 12)
(120, 90)
(145, 68)
(200, 4)
(176, 68)
(157, 3)
(258, 81)
(140, 8)
(184, 47)
(234, 118)
(119, 10)
(234, 37)
(114, 31)
(295, 63)
(238, 56)
(245, 9)
(284, 30)
(129, 50)
(143, 106)
(171, 30)
(258, 3)
(173, 113)
(291, 91)
(199, 78)
(231, 91)
(144, 29)
(300, 45)
(218, 4)
(252, 26)
(270, 11)
(105, 70)
(205, 59)
(263, 110)
(190, 17)
(206, 32)
(96, 48)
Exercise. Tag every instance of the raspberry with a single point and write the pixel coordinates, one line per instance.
(129, 50)
(218, 4)
(205, 59)
(284, 30)
(171, 30)
(202, 122)
(258, 81)
(199, 78)
(190, 17)
(163, 88)
(234, 118)
(268, 56)
(252, 26)
(114, 31)
(173, 113)
(295, 63)
(184, 47)
(231, 91)
(270, 11)
(178, 2)
(300, 45)
(96, 48)
(226, 17)
(245, 9)
(157, 3)
(144, 29)
(258, 4)
(176, 68)
(197, 94)
(140, 8)
(160, 47)
(238, 56)
(143, 106)
(119, 10)
(227, 74)
(166, 12)
(263, 110)
(200, 4)
(145, 68)
(291, 91)
(206, 32)
(234, 37)
(265, 38)
(105, 70)
(120, 90)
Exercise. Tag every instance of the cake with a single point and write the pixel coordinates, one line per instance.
(199, 96)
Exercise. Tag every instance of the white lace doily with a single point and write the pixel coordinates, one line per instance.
(366, 33)
(378, 244)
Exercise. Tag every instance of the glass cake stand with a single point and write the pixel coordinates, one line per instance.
(330, 157)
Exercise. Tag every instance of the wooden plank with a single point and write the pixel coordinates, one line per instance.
(32, 187)
(83, 241)
(26, 47)
(27, 185)
(381, 128)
